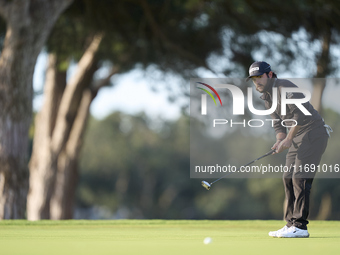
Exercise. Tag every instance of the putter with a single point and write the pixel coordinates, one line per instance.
(207, 185)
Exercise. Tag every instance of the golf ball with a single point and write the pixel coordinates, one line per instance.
(207, 240)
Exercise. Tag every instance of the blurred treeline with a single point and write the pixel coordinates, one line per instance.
(133, 166)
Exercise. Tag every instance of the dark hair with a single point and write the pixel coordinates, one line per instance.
(274, 74)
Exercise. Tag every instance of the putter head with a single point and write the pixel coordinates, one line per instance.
(206, 185)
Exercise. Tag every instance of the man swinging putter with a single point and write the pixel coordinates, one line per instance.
(306, 142)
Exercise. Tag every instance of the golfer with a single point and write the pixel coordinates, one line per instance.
(306, 141)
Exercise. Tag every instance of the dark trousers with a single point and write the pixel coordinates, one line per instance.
(304, 154)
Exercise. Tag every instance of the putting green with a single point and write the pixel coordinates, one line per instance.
(162, 237)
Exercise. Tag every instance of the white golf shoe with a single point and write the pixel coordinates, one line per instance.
(294, 232)
(275, 233)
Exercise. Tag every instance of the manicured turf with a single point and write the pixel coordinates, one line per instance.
(162, 237)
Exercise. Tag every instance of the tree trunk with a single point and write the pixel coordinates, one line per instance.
(322, 71)
(67, 176)
(28, 25)
(318, 88)
(62, 201)
(41, 180)
(58, 137)
(325, 210)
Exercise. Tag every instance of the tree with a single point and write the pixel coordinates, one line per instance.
(321, 23)
(28, 24)
(123, 33)
(174, 36)
(137, 167)
(319, 20)
(57, 141)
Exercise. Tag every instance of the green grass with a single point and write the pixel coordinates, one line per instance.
(162, 237)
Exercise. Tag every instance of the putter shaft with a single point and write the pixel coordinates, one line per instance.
(207, 185)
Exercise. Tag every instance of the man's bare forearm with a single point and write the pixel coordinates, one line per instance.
(287, 141)
(280, 136)
(292, 132)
